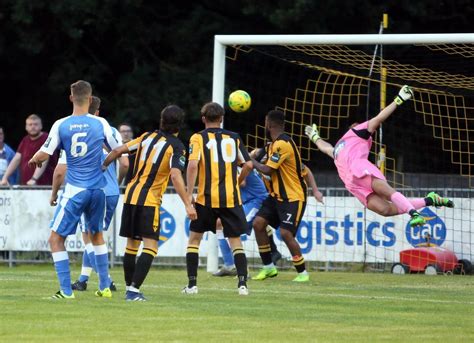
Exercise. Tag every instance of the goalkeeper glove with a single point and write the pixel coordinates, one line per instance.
(405, 93)
(312, 132)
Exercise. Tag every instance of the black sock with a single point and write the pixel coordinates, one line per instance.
(143, 267)
(273, 246)
(265, 253)
(240, 261)
(129, 264)
(428, 201)
(413, 212)
(192, 262)
(298, 263)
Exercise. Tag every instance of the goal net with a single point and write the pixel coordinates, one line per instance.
(426, 145)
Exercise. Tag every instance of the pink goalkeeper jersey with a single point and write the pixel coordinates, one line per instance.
(351, 154)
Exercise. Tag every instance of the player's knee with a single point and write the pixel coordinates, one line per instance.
(150, 243)
(259, 224)
(194, 238)
(379, 206)
(235, 242)
(286, 235)
(97, 238)
(55, 242)
(385, 211)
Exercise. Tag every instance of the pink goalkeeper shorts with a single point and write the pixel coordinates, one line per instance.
(359, 182)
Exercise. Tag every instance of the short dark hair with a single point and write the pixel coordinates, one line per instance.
(212, 111)
(94, 105)
(276, 117)
(171, 119)
(81, 91)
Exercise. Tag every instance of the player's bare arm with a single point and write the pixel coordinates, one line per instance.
(178, 183)
(405, 93)
(262, 168)
(257, 153)
(38, 159)
(311, 181)
(124, 164)
(191, 176)
(58, 179)
(313, 134)
(246, 168)
(38, 173)
(114, 154)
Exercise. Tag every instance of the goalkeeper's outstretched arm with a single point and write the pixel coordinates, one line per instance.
(405, 93)
(313, 135)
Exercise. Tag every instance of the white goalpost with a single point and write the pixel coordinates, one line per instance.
(221, 42)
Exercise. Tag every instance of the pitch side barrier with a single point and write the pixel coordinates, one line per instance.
(341, 230)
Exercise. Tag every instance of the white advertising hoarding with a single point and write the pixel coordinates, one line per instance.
(339, 230)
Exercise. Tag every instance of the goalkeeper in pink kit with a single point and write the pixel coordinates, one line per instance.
(362, 178)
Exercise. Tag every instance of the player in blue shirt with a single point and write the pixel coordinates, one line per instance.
(112, 193)
(82, 136)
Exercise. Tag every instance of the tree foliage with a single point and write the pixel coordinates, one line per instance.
(142, 55)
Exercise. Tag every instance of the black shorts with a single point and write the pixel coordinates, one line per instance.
(232, 219)
(284, 214)
(140, 221)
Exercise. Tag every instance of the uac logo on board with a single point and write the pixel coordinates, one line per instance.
(167, 226)
(434, 226)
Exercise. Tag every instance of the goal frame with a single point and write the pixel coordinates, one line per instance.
(222, 41)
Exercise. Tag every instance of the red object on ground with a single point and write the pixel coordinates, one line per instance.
(418, 258)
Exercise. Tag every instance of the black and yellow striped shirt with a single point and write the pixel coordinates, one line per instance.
(287, 179)
(156, 153)
(219, 152)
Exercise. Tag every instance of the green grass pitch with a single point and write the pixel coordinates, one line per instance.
(332, 307)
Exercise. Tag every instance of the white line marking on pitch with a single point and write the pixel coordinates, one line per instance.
(292, 292)
(334, 295)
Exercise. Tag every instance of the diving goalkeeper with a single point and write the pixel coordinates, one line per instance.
(362, 178)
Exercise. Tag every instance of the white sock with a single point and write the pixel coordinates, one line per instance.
(268, 266)
(86, 271)
(133, 289)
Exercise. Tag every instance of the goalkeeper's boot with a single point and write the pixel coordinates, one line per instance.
(266, 273)
(79, 285)
(302, 278)
(439, 201)
(60, 295)
(190, 290)
(134, 296)
(105, 293)
(416, 219)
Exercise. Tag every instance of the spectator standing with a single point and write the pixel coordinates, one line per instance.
(31, 143)
(126, 132)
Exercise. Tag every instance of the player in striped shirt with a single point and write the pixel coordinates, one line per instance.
(160, 155)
